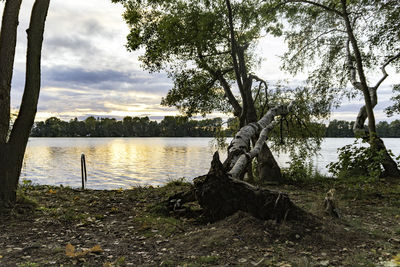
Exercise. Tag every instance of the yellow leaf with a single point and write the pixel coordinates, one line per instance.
(70, 250)
(1, 256)
(51, 191)
(96, 248)
(76, 198)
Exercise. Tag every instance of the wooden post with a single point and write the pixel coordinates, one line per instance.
(83, 171)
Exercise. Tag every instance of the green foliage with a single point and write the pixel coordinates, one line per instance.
(338, 128)
(298, 170)
(298, 133)
(177, 182)
(395, 108)
(356, 160)
(301, 170)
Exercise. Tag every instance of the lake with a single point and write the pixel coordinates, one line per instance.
(124, 162)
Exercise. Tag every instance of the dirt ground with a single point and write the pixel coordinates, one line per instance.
(58, 226)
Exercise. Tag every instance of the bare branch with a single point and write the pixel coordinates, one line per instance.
(261, 82)
(383, 69)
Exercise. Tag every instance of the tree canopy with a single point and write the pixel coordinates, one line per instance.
(192, 41)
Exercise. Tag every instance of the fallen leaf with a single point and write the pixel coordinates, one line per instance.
(96, 248)
(70, 251)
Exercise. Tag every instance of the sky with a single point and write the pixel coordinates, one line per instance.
(87, 71)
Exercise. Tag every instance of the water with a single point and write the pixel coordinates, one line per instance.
(123, 162)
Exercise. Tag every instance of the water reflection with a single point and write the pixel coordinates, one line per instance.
(116, 162)
(124, 162)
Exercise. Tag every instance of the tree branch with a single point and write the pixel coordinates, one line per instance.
(383, 69)
(234, 49)
(261, 82)
(332, 10)
(219, 75)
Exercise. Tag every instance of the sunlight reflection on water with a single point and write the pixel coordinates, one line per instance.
(116, 162)
(123, 162)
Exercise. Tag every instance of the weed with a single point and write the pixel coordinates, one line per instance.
(211, 259)
(28, 264)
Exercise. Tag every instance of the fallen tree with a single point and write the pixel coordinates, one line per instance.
(220, 192)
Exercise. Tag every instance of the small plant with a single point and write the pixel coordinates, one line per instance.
(176, 182)
(298, 170)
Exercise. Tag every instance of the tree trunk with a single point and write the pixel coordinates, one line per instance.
(12, 153)
(389, 165)
(8, 40)
(268, 169)
(221, 195)
(7, 188)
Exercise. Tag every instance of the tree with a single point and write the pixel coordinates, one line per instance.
(12, 147)
(348, 40)
(207, 48)
(340, 129)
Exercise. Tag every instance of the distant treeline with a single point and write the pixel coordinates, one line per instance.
(170, 126)
(173, 126)
(338, 128)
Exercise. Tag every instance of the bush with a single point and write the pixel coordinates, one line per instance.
(356, 160)
(302, 170)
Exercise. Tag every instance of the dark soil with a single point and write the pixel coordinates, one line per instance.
(133, 228)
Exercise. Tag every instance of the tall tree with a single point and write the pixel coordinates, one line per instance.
(350, 41)
(207, 48)
(12, 147)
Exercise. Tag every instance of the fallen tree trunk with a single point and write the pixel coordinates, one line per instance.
(239, 154)
(220, 193)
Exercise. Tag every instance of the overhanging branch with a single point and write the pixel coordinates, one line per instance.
(332, 10)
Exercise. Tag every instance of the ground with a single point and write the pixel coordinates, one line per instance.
(59, 226)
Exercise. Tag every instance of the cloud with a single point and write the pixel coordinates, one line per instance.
(59, 45)
(86, 68)
(83, 77)
(106, 79)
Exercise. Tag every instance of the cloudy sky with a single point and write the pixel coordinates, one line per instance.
(86, 69)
